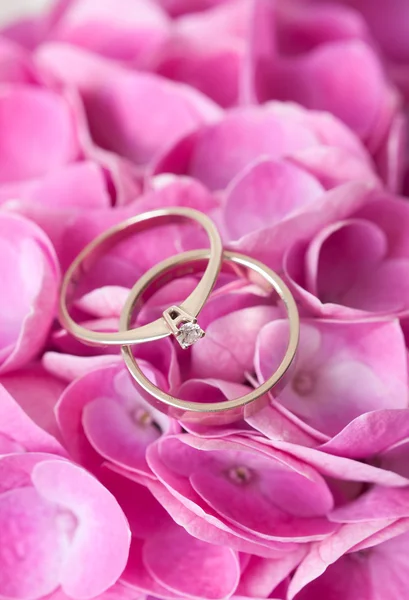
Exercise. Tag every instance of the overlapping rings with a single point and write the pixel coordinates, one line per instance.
(179, 321)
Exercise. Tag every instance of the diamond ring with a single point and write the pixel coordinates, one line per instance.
(179, 321)
(214, 412)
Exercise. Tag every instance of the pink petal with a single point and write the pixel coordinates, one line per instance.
(101, 30)
(37, 392)
(178, 7)
(285, 244)
(389, 28)
(30, 275)
(383, 290)
(277, 423)
(304, 27)
(262, 575)
(33, 549)
(203, 66)
(255, 133)
(37, 133)
(15, 64)
(208, 527)
(391, 156)
(15, 424)
(377, 504)
(104, 302)
(278, 189)
(371, 434)
(102, 528)
(361, 241)
(80, 184)
(138, 578)
(102, 415)
(317, 85)
(396, 458)
(212, 68)
(227, 350)
(260, 53)
(113, 98)
(211, 390)
(116, 592)
(145, 515)
(339, 467)
(330, 550)
(190, 567)
(114, 109)
(333, 166)
(212, 473)
(69, 367)
(332, 358)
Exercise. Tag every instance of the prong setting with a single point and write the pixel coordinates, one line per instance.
(183, 326)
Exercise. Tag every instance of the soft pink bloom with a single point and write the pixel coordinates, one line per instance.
(103, 418)
(389, 27)
(101, 28)
(71, 228)
(240, 492)
(363, 557)
(356, 265)
(43, 121)
(165, 560)
(341, 372)
(29, 274)
(214, 68)
(122, 105)
(52, 513)
(54, 516)
(308, 41)
(315, 142)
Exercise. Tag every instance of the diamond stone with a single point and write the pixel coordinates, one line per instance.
(189, 334)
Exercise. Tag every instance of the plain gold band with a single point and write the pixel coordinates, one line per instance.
(218, 412)
(100, 245)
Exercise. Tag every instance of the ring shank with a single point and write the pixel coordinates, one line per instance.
(229, 410)
(103, 243)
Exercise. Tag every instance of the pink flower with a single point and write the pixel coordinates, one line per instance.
(54, 516)
(124, 107)
(341, 372)
(30, 276)
(103, 418)
(52, 513)
(354, 266)
(165, 560)
(389, 28)
(37, 106)
(102, 29)
(239, 492)
(217, 69)
(363, 555)
(316, 143)
(75, 173)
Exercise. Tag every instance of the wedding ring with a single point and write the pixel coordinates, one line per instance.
(209, 412)
(179, 321)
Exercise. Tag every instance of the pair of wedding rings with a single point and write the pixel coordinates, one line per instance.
(179, 321)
